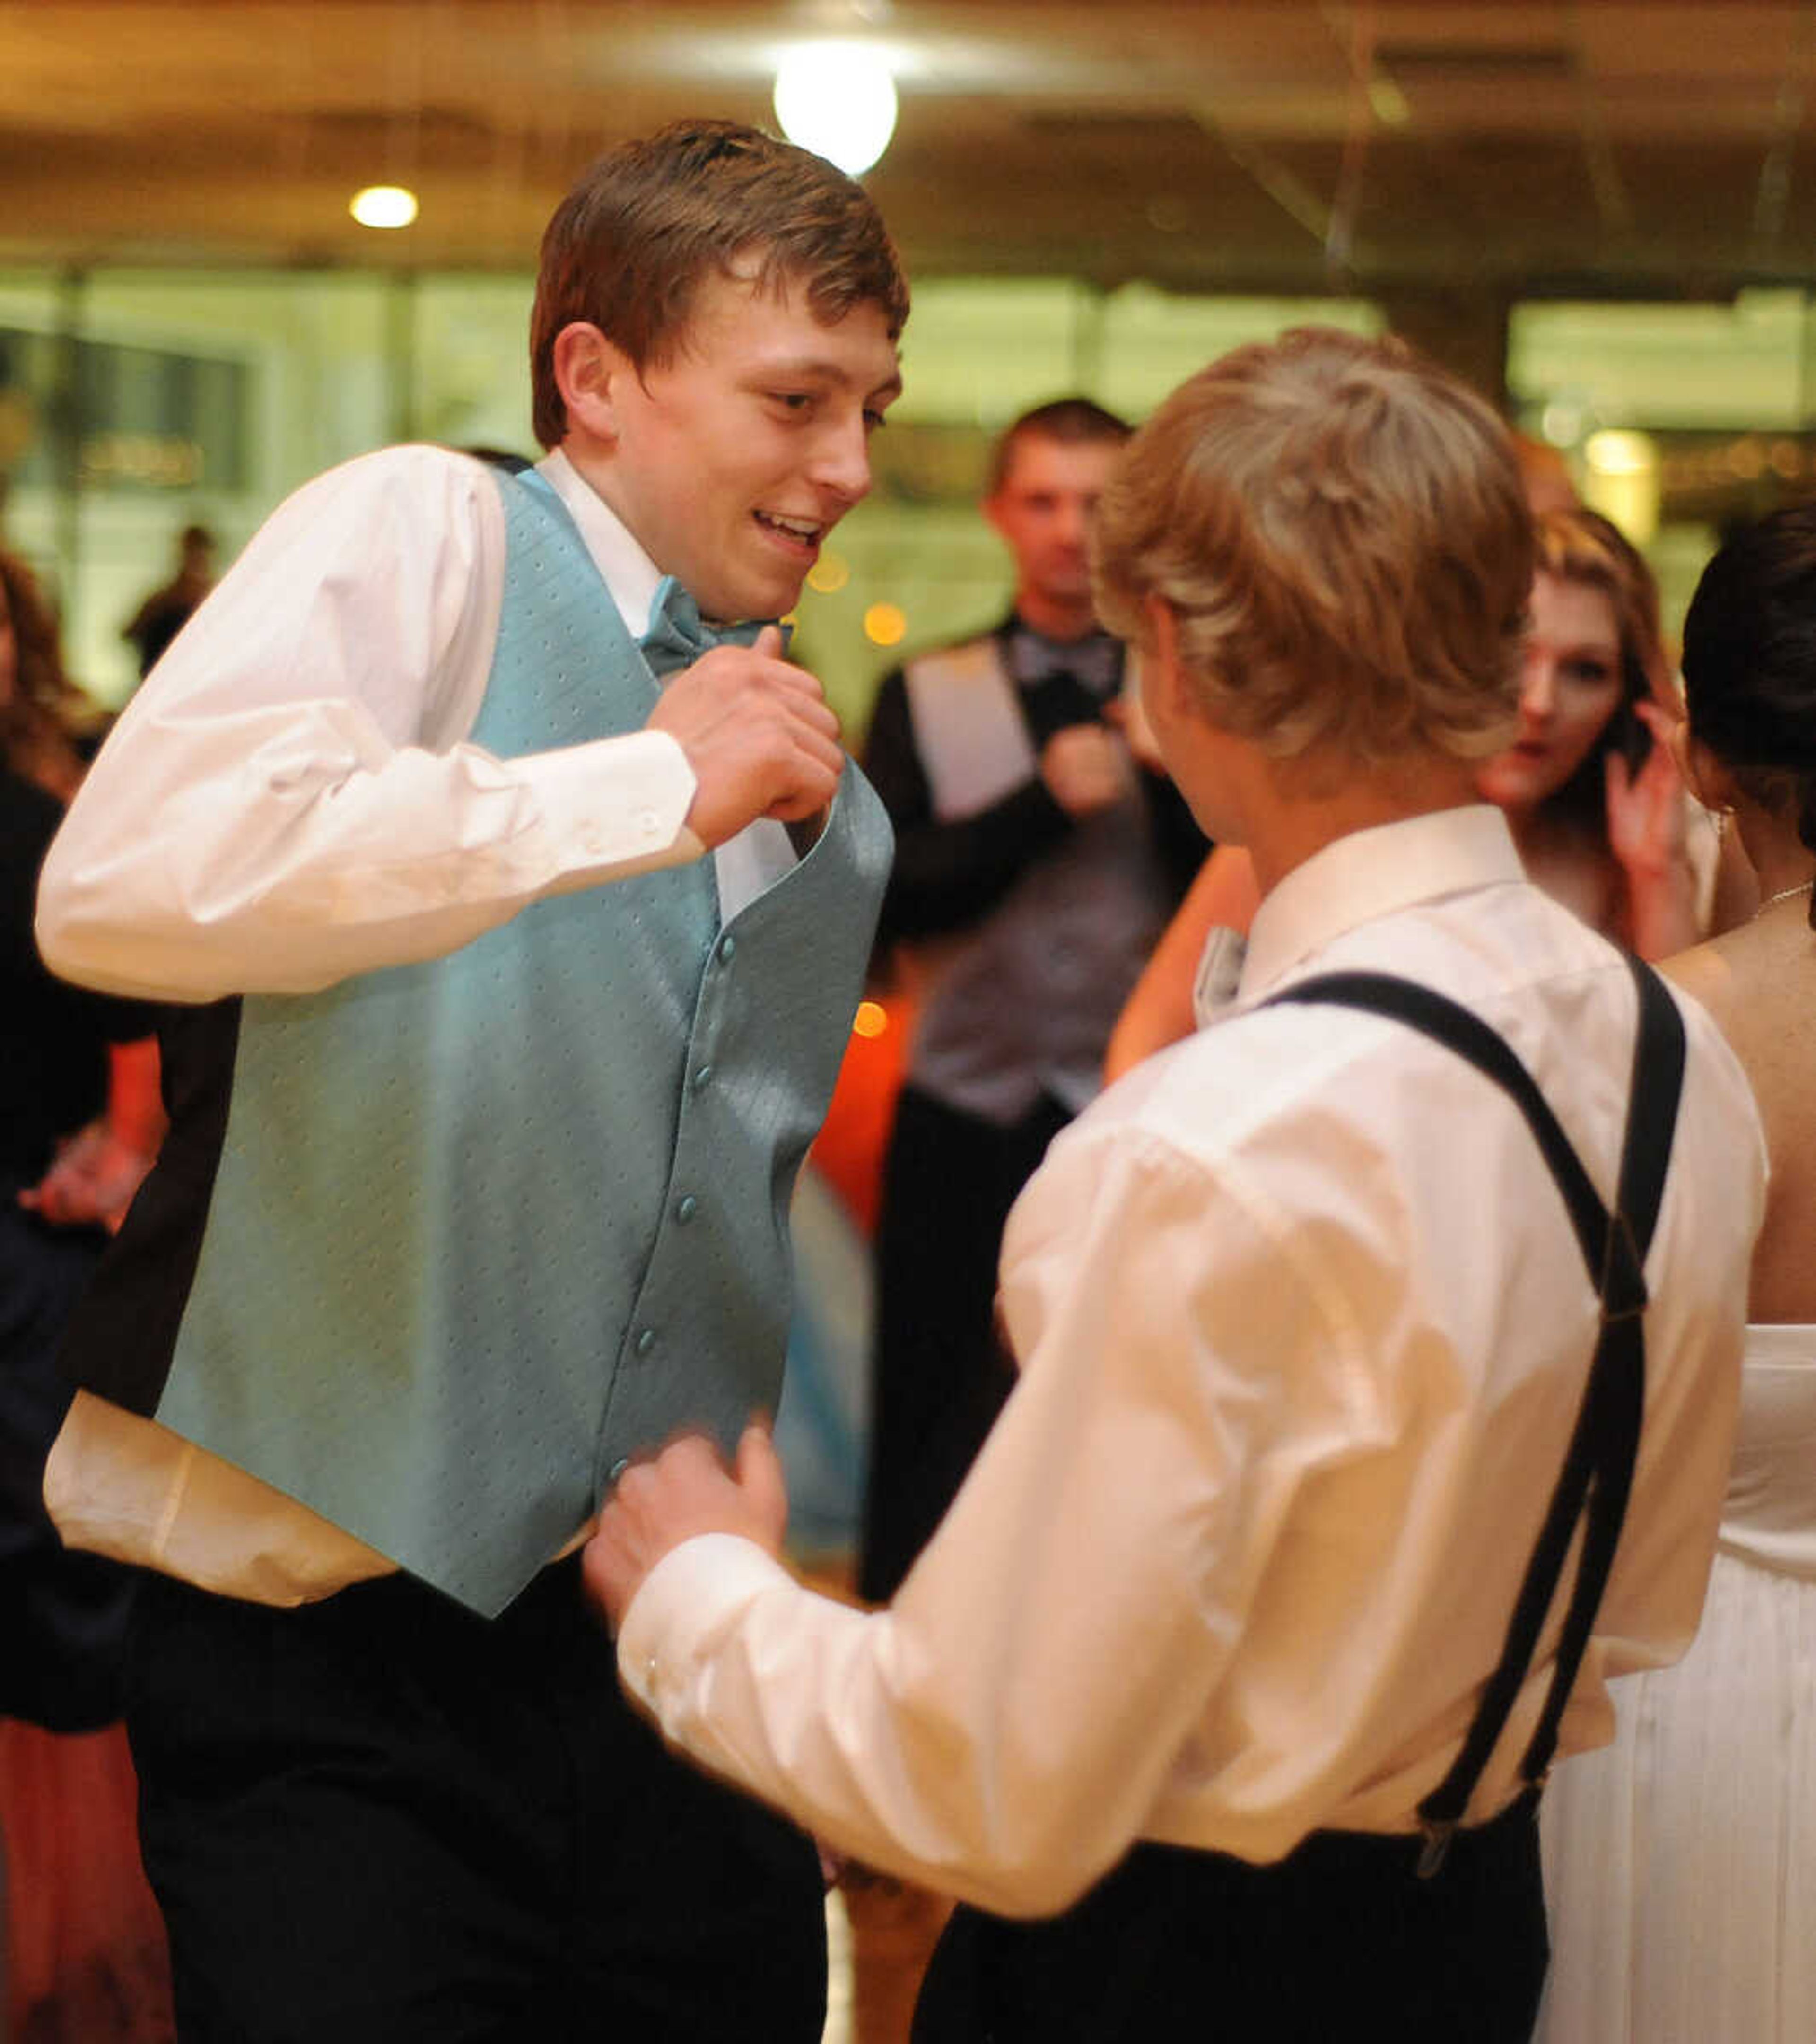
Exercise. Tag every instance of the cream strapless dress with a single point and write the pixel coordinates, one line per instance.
(1680, 1861)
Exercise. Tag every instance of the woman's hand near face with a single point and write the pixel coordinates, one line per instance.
(1646, 834)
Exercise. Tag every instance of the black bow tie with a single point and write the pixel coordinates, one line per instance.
(1095, 661)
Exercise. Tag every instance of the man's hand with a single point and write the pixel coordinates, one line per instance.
(91, 1182)
(759, 734)
(1085, 769)
(685, 1490)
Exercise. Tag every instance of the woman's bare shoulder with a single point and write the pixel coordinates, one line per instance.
(1758, 983)
(1708, 972)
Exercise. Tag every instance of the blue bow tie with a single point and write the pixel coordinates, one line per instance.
(677, 635)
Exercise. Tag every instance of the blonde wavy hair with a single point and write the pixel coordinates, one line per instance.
(1339, 528)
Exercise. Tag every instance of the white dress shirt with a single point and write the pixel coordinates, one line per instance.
(291, 799)
(1303, 1329)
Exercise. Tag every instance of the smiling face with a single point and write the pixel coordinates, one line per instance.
(731, 461)
(1570, 686)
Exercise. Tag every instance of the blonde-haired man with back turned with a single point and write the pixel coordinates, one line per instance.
(1241, 1654)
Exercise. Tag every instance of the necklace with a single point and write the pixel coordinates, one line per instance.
(1784, 894)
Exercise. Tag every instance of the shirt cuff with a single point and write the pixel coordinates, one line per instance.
(686, 1598)
(614, 806)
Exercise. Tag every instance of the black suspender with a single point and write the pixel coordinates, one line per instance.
(1598, 1465)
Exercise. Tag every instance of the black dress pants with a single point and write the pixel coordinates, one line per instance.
(63, 1616)
(1340, 1939)
(938, 1377)
(379, 1819)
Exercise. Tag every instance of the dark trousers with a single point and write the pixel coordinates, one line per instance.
(938, 1375)
(1340, 1939)
(379, 1819)
(62, 1615)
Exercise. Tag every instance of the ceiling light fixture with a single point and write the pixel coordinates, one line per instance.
(384, 206)
(837, 99)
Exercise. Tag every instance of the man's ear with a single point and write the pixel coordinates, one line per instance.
(589, 370)
(1215, 770)
(1164, 690)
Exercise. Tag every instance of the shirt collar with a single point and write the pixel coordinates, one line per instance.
(1371, 872)
(629, 573)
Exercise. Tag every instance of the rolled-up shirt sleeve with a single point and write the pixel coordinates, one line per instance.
(292, 798)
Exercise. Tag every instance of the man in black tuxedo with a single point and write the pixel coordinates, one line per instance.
(1036, 866)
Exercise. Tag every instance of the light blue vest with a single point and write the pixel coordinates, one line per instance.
(484, 1226)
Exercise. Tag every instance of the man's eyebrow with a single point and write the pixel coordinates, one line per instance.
(828, 371)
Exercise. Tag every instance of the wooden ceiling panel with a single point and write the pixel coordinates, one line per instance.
(1202, 145)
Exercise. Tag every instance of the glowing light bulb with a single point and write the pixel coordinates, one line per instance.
(838, 100)
(384, 206)
(1613, 451)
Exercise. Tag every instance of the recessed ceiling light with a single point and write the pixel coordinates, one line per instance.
(384, 206)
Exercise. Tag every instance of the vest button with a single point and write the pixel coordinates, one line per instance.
(646, 1341)
(702, 1078)
(728, 950)
(686, 1208)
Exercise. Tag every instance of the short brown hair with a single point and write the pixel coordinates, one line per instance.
(627, 247)
(1339, 528)
(1071, 421)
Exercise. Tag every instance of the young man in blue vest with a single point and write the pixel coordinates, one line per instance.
(514, 980)
(1240, 1656)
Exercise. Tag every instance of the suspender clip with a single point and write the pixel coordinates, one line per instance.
(1438, 1832)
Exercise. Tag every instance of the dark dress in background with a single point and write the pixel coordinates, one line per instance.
(61, 1615)
(85, 1960)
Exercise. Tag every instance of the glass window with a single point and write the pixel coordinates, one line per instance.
(1677, 420)
(206, 396)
